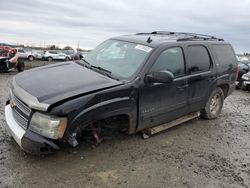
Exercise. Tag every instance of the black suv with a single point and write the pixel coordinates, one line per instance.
(139, 81)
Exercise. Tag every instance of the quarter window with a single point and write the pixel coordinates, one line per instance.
(199, 59)
(171, 60)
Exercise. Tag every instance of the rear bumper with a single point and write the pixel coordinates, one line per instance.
(29, 141)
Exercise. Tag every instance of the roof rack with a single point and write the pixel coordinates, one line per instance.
(182, 36)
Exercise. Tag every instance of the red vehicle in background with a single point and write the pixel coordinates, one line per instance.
(9, 59)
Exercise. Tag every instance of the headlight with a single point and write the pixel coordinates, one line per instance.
(48, 126)
(244, 77)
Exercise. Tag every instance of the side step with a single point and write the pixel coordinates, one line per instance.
(150, 131)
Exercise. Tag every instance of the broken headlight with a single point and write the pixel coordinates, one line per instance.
(48, 126)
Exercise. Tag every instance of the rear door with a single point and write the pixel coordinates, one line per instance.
(202, 75)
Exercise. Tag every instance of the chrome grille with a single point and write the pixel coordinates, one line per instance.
(19, 104)
(21, 112)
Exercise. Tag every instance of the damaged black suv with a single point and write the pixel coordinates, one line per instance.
(143, 80)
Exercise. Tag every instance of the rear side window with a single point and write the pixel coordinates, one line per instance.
(171, 60)
(199, 59)
(224, 54)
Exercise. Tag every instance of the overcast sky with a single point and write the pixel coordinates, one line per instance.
(64, 22)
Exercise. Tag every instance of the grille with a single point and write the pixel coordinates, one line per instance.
(21, 112)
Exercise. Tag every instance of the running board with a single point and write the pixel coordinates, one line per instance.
(150, 131)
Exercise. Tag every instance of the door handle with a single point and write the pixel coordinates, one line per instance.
(182, 87)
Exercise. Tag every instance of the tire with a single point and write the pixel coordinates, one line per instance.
(31, 58)
(49, 58)
(67, 59)
(20, 66)
(214, 104)
(239, 85)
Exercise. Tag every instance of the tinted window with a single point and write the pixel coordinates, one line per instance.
(199, 59)
(19, 50)
(171, 60)
(224, 53)
(52, 52)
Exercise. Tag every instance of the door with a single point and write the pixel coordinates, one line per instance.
(201, 76)
(160, 102)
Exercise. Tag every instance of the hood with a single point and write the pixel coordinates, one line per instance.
(53, 83)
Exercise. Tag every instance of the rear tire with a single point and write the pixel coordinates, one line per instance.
(214, 104)
(20, 66)
(49, 58)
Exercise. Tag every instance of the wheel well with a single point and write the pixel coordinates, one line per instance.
(225, 89)
(121, 120)
(95, 131)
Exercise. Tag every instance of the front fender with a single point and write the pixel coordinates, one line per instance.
(104, 109)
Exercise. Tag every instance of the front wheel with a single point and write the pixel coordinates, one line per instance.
(67, 59)
(20, 66)
(31, 58)
(214, 104)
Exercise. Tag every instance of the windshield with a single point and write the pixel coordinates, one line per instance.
(120, 58)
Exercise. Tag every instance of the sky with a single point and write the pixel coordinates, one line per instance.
(89, 22)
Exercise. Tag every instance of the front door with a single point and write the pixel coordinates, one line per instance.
(160, 102)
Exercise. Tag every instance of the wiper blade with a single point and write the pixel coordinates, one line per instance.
(104, 71)
(101, 69)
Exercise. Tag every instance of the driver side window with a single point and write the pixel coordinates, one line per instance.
(171, 60)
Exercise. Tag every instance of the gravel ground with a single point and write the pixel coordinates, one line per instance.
(199, 153)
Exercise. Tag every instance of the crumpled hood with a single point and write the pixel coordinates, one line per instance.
(53, 83)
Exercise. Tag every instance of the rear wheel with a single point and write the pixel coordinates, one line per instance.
(214, 104)
(50, 59)
(20, 66)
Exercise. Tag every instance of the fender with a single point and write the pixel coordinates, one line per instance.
(113, 107)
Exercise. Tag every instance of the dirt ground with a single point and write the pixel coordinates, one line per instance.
(199, 153)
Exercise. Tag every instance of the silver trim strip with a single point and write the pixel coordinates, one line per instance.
(27, 98)
(13, 128)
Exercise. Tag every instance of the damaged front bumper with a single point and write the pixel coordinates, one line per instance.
(29, 141)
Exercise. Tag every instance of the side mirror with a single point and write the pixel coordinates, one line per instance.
(159, 77)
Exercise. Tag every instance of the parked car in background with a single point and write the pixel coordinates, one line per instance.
(38, 54)
(23, 54)
(51, 55)
(243, 68)
(135, 82)
(246, 81)
(9, 59)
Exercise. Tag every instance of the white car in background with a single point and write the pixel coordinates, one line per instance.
(22, 54)
(51, 55)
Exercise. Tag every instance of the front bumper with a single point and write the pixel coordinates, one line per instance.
(246, 83)
(29, 141)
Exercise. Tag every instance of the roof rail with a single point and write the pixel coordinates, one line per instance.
(182, 36)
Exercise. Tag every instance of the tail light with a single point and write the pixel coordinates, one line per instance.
(237, 72)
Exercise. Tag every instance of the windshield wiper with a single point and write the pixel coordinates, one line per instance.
(104, 71)
(101, 69)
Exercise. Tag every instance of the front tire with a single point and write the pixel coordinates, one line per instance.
(20, 66)
(31, 58)
(214, 104)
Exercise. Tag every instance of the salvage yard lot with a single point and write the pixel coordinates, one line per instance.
(199, 153)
